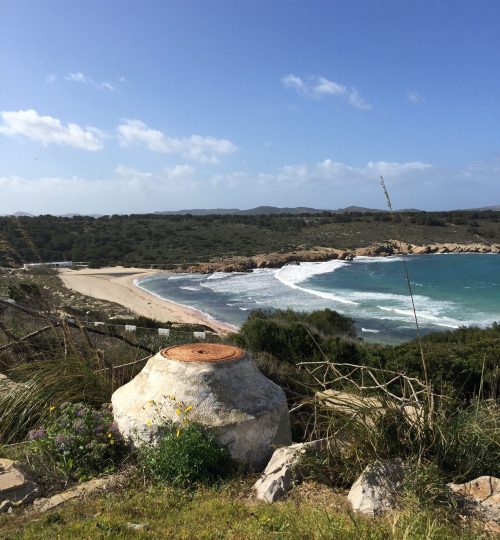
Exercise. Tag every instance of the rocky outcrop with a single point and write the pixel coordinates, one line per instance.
(16, 487)
(378, 488)
(283, 471)
(217, 386)
(320, 254)
(483, 494)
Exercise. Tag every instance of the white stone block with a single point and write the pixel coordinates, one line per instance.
(227, 394)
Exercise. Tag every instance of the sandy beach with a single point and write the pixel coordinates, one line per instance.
(115, 284)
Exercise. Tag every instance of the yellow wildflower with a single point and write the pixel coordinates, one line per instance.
(178, 432)
(178, 411)
(110, 435)
(52, 408)
(148, 423)
(188, 408)
(111, 441)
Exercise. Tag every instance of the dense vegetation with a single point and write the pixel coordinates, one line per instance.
(175, 240)
(463, 362)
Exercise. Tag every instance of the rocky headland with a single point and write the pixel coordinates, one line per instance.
(320, 254)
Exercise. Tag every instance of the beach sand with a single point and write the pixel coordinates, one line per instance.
(115, 284)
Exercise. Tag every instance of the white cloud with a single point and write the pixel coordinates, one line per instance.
(179, 178)
(49, 130)
(50, 78)
(79, 77)
(128, 188)
(325, 184)
(195, 147)
(329, 172)
(415, 97)
(317, 87)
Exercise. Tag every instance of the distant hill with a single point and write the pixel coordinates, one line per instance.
(265, 210)
(485, 208)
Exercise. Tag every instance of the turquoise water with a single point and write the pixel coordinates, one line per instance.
(449, 291)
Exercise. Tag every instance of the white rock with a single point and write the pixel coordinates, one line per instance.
(16, 488)
(283, 471)
(484, 494)
(91, 487)
(378, 487)
(246, 411)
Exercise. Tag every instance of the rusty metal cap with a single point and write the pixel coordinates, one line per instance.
(203, 352)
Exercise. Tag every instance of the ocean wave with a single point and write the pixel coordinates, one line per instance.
(204, 314)
(436, 320)
(218, 275)
(365, 259)
(188, 288)
(290, 275)
(296, 273)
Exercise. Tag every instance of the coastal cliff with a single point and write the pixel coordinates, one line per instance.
(320, 254)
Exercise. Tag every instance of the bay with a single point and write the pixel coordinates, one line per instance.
(448, 291)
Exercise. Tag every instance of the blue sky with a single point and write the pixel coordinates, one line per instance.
(137, 106)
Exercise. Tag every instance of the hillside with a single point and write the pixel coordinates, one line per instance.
(177, 240)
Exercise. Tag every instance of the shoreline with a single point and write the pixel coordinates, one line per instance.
(323, 254)
(116, 284)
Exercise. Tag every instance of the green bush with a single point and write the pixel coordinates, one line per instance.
(293, 336)
(82, 441)
(185, 456)
(425, 483)
(466, 441)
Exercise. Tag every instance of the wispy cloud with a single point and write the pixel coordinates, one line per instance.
(79, 77)
(316, 87)
(178, 176)
(49, 130)
(325, 184)
(195, 147)
(337, 173)
(415, 97)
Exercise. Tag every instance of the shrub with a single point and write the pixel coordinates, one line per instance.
(56, 381)
(425, 483)
(466, 441)
(288, 335)
(82, 441)
(185, 456)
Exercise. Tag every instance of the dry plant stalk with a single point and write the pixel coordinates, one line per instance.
(410, 290)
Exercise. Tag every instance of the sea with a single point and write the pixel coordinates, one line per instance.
(449, 291)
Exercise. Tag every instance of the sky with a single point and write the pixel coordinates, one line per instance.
(150, 105)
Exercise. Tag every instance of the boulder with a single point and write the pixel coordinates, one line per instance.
(484, 494)
(367, 409)
(91, 487)
(283, 471)
(215, 385)
(378, 488)
(484, 490)
(16, 488)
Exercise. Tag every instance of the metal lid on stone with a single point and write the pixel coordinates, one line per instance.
(203, 352)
